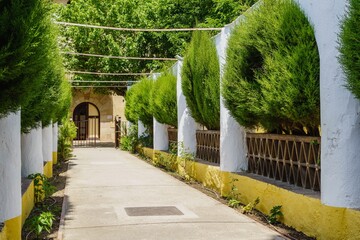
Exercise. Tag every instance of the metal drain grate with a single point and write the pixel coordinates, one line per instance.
(153, 211)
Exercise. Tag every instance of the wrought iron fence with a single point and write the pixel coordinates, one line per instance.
(172, 135)
(88, 133)
(288, 158)
(208, 146)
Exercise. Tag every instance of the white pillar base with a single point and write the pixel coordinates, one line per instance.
(161, 138)
(31, 152)
(47, 145)
(10, 166)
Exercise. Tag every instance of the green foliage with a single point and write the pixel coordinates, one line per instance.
(39, 223)
(42, 187)
(163, 99)
(137, 14)
(272, 74)
(67, 132)
(350, 47)
(24, 44)
(275, 214)
(129, 141)
(138, 102)
(250, 207)
(233, 197)
(201, 81)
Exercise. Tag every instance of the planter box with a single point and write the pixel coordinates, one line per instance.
(288, 158)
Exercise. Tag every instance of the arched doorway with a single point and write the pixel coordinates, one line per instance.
(86, 117)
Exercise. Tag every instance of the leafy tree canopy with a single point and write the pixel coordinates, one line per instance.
(137, 14)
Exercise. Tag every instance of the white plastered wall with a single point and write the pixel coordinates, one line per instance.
(31, 152)
(161, 139)
(340, 122)
(55, 135)
(232, 136)
(47, 143)
(10, 166)
(141, 129)
(186, 124)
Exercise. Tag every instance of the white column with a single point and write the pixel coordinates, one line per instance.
(161, 139)
(186, 124)
(10, 167)
(340, 122)
(47, 143)
(141, 128)
(31, 152)
(55, 132)
(55, 135)
(233, 147)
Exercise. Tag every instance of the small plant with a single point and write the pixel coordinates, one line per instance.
(233, 195)
(128, 142)
(39, 223)
(42, 187)
(67, 132)
(275, 214)
(250, 207)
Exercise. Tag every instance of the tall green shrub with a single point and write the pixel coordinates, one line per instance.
(163, 99)
(23, 50)
(350, 47)
(138, 102)
(272, 73)
(201, 81)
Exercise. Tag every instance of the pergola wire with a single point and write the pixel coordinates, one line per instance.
(74, 86)
(96, 81)
(139, 29)
(110, 74)
(120, 57)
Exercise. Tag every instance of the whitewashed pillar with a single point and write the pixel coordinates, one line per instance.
(10, 166)
(31, 152)
(55, 135)
(340, 121)
(232, 136)
(186, 124)
(141, 129)
(47, 143)
(161, 139)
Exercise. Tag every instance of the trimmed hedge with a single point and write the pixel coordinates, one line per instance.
(273, 70)
(23, 51)
(51, 99)
(201, 81)
(163, 99)
(350, 47)
(138, 102)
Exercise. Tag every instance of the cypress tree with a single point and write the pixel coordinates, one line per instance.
(163, 99)
(138, 102)
(350, 47)
(272, 74)
(201, 81)
(23, 57)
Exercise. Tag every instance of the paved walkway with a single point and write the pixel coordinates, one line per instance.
(114, 195)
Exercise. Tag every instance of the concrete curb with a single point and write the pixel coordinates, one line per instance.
(63, 208)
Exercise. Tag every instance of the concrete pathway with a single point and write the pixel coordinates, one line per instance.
(114, 195)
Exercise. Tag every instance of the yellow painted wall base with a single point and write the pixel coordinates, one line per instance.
(304, 213)
(48, 169)
(12, 229)
(28, 203)
(55, 157)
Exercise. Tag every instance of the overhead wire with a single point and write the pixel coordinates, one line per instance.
(137, 29)
(119, 57)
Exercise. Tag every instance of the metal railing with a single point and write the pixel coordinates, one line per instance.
(88, 133)
(208, 146)
(288, 158)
